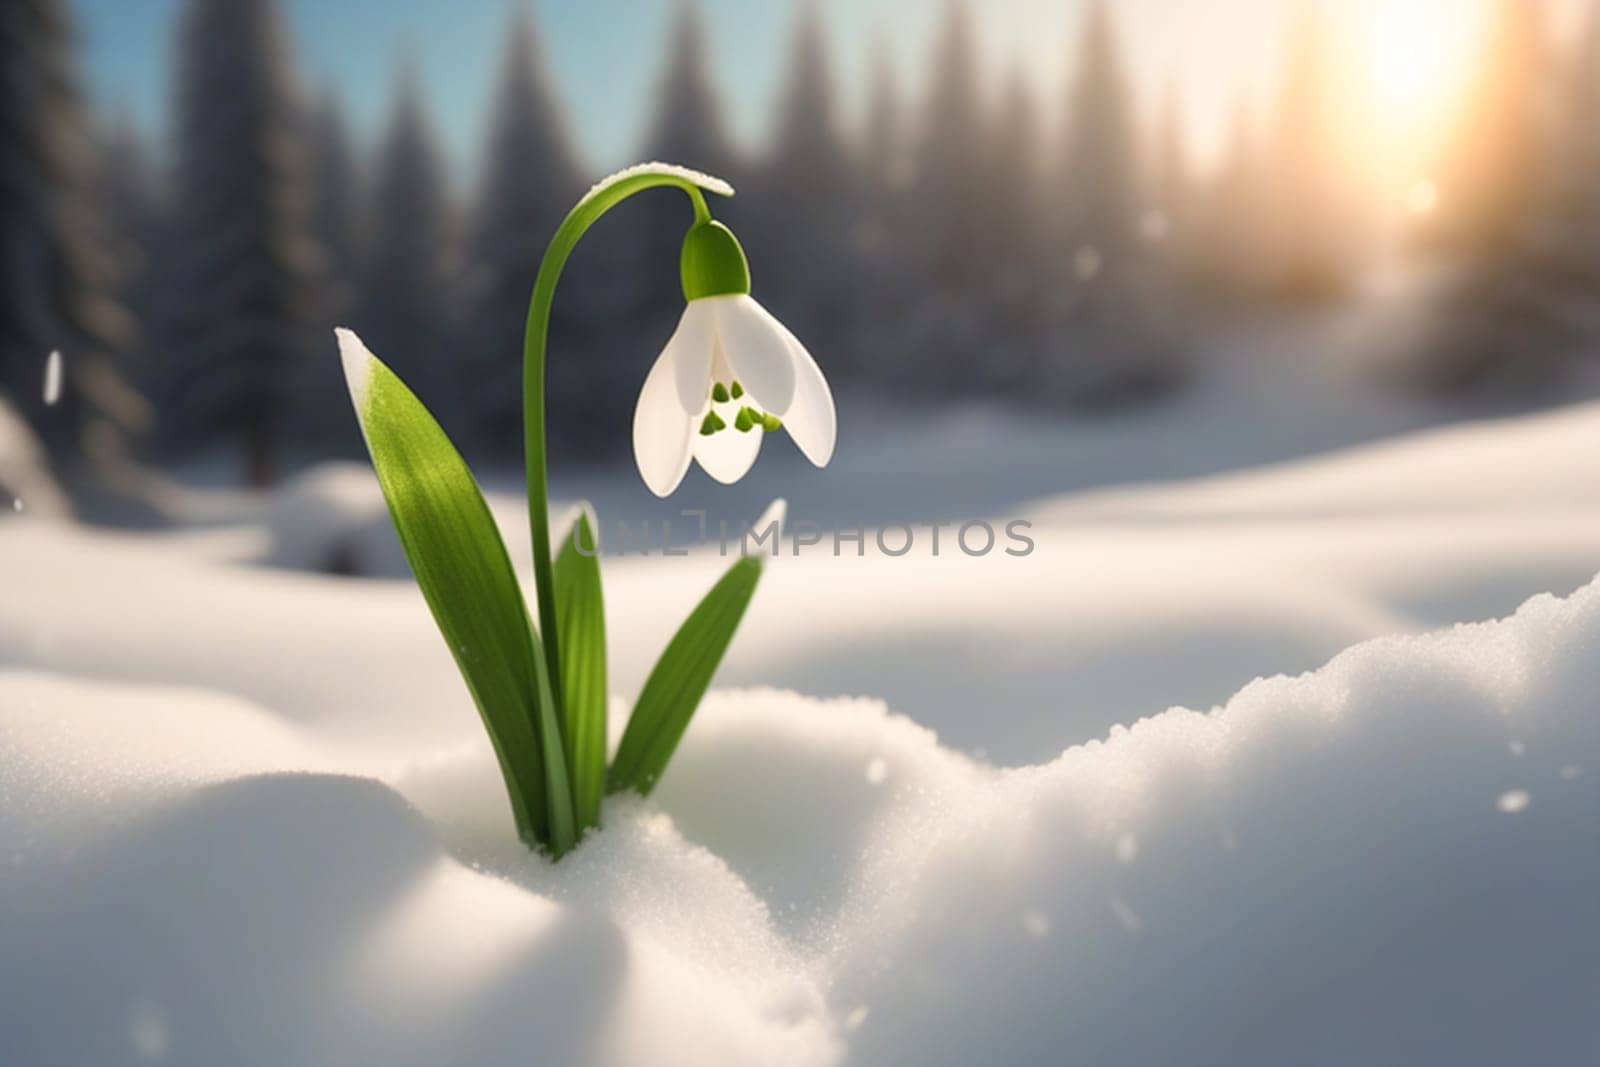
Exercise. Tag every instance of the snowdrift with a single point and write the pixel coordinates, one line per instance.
(276, 834)
(1391, 859)
(25, 479)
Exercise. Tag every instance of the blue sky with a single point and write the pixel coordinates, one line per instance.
(606, 54)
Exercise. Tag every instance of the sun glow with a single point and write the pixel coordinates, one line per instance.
(1420, 50)
(1424, 198)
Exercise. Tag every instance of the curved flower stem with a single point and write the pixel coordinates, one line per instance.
(602, 198)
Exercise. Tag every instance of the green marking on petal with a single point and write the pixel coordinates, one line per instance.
(771, 422)
(743, 422)
(738, 390)
(719, 393)
(712, 423)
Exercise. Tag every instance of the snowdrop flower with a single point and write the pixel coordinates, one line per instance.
(730, 374)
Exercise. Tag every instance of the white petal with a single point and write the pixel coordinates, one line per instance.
(811, 420)
(661, 430)
(690, 350)
(753, 342)
(728, 455)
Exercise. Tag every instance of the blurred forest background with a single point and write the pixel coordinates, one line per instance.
(948, 245)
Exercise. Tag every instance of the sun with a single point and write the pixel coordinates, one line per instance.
(1419, 50)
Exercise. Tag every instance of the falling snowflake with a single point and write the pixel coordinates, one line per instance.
(1513, 801)
(52, 379)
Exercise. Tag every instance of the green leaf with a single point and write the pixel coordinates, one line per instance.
(461, 565)
(680, 678)
(581, 624)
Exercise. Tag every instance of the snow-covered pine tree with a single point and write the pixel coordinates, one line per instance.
(320, 417)
(687, 126)
(879, 237)
(1229, 234)
(530, 178)
(951, 169)
(402, 308)
(133, 205)
(1168, 214)
(1113, 349)
(1016, 183)
(1578, 145)
(1017, 291)
(245, 264)
(1516, 308)
(1102, 188)
(1312, 221)
(807, 153)
(950, 246)
(336, 197)
(885, 168)
(1492, 169)
(803, 203)
(56, 274)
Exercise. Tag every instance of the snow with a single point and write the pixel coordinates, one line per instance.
(331, 519)
(52, 379)
(247, 814)
(670, 170)
(356, 360)
(26, 484)
(1266, 571)
(1514, 800)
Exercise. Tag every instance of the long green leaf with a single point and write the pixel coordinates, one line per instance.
(680, 678)
(581, 624)
(461, 565)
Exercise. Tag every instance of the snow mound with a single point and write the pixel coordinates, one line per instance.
(26, 484)
(1530, 463)
(1388, 860)
(1135, 599)
(332, 520)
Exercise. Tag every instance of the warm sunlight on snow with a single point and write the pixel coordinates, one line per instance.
(1188, 657)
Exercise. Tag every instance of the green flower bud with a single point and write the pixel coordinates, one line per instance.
(712, 263)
